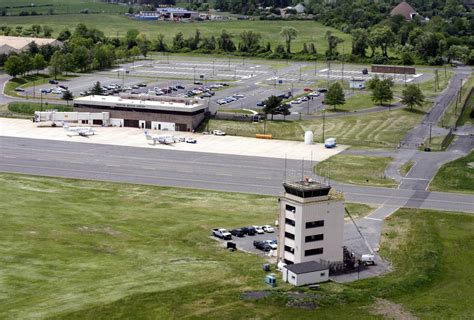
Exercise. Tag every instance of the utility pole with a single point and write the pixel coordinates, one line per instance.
(229, 63)
(430, 132)
(342, 66)
(41, 101)
(324, 111)
(274, 79)
(308, 107)
(436, 81)
(300, 73)
(213, 62)
(329, 71)
(194, 74)
(315, 63)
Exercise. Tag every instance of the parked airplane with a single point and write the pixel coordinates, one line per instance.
(160, 138)
(79, 131)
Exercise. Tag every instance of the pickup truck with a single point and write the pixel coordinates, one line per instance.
(222, 233)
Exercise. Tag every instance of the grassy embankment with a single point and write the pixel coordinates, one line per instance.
(80, 250)
(113, 25)
(454, 109)
(455, 176)
(357, 169)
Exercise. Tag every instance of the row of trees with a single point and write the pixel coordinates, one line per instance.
(35, 30)
(84, 49)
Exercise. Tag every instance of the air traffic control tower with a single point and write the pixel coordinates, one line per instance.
(311, 223)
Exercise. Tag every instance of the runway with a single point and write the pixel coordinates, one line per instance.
(194, 170)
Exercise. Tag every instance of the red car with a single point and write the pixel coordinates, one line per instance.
(307, 89)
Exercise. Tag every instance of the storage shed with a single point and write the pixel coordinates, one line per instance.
(300, 274)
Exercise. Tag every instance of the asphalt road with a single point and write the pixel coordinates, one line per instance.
(194, 170)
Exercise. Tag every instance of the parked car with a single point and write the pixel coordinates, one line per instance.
(307, 89)
(63, 87)
(222, 233)
(237, 232)
(45, 90)
(191, 140)
(261, 245)
(53, 81)
(268, 228)
(313, 94)
(259, 229)
(249, 230)
(141, 85)
(238, 96)
(272, 245)
(19, 90)
(322, 90)
(218, 133)
(297, 101)
(180, 87)
(260, 104)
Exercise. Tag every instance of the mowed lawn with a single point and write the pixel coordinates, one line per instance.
(75, 249)
(117, 25)
(381, 129)
(60, 6)
(357, 169)
(456, 176)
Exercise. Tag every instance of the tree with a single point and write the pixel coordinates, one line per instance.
(381, 36)
(131, 38)
(14, 66)
(64, 35)
(178, 41)
(56, 65)
(284, 110)
(225, 42)
(360, 42)
(382, 92)
(39, 63)
(271, 105)
(81, 58)
(143, 44)
(67, 95)
(333, 41)
(412, 96)
(47, 31)
(96, 89)
(289, 34)
(335, 95)
(250, 41)
(159, 44)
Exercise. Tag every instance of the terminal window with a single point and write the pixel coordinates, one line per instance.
(314, 224)
(290, 208)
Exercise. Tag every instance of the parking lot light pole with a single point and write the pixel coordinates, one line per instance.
(324, 111)
(194, 74)
(308, 107)
(41, 101)
(34, 89)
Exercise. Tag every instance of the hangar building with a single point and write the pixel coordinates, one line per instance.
(146, 112)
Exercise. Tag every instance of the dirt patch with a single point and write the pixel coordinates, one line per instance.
(254, 295)
(390, 310)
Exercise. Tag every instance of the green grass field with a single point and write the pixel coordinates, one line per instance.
(381, 129)
(455, 176)
(60, 6)
(357, 169)
(80, 250)
(29, 108)
(355, 102)
(113, 25)
(406, 167)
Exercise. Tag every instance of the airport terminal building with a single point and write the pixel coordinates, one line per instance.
(146, 112)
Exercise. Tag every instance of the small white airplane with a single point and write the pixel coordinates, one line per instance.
(79, 131)
(160, 138)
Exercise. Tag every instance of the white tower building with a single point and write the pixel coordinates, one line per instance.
(311, 224)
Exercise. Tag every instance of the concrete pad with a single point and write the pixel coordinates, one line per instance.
(135, 137)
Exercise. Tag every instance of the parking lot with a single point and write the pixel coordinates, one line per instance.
(245, 243)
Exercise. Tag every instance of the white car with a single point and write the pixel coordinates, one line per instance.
(191, 140)
(272, 244)
(218, 132)
(259, 229)
(268, 228)
(297, 101)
